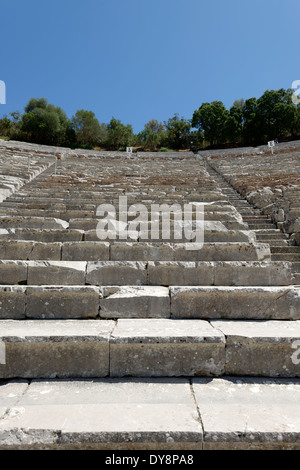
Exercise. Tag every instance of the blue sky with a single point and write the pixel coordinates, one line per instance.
(137, 60)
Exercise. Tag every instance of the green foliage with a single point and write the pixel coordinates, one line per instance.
(211, 119)
(253, 121)
(151, 137)
(177, 132)
(119, 136)
(44, 123)
(88, 131)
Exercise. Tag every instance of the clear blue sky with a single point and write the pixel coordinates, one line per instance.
(138, 60)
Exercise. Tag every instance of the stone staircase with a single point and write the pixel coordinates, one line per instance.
(138, 343)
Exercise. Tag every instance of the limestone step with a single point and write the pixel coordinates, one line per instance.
(278, 243)
(231, 302)
(131, 251)
(50, 236)
(149, 348)
(170, 414)
(45, 223)
(287, 249)
(155, 273)
(260, 226)
(112, 302)
(286, 257)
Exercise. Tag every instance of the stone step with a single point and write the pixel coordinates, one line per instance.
(260, 226)
(112, 302)
(157, 414)
(214, 232)
(133, 251)
(46, 236)
(149, 348)
(231, 302)
(44, 223)
(270, 233)
(287, 249)
(278, 243)
(293, 257)
(155, 273)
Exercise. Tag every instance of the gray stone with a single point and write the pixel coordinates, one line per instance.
(13, 272)
(10, 394)
(56, 272)
(12, 302)
(135, 302)
(116, 273)
(85, 251)
(66, 348)
(33, 222)
(248, 413)
(180, 273)
(65, 415)
(153, 348)
(23, 250)
(236, 302)
(62, 302)
(261, 348)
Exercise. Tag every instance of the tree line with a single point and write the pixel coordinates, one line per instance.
(247, 122)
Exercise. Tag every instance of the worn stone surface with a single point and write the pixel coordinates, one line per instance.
(132, 412)
(56, 272)
(239, 273)
(149, 348)
(45, 236)
(23, 250)
(33, 222)
(248, 413)
(180, 273)
(135, 302)
(85, 251)
(253, 273)
(66, 348)
(62, 302)
(231, 277)
(261, 348)
(116, 273)
(12, 302)
(13, 272)
(236, 302)
(10, 394)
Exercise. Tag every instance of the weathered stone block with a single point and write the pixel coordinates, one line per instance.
(141, 251)
(148, 348)
(135, 302)
(13, 272)
(85, 251)
(155, 414)
(248, 413)
(261, 348)
(116, 273)
(242, 273)
(236, 302)
(56, 272)
(180, 273)
(43, 348)
(62, 302)
(12, 302)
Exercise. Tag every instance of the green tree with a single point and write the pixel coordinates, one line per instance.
(89, 132)
(119, 136)
(276, 113)
(177, 132)
(44, 123)
(152, 134)
(251, 126)
(210, 118)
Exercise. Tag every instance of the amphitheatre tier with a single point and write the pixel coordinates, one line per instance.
(148, 338)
